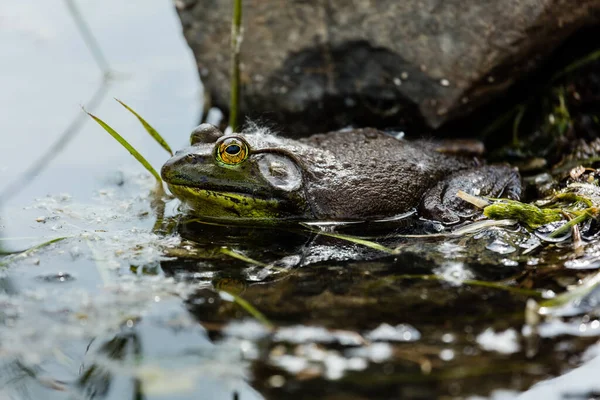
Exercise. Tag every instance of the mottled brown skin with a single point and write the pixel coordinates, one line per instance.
(360, 174)
(376, 175)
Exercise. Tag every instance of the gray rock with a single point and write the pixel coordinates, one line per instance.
(313, 65)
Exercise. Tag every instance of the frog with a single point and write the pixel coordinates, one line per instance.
(365, 174)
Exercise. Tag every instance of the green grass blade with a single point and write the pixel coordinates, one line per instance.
(517, 123)
(563, 229)
(129, 147)
(353, 239)
(242, 257)
(575, 294)
(11, 258)
(469, 282)
(153, 132)
(250, 309)
(591, 57)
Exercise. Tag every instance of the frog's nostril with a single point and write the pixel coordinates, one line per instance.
(193, 159)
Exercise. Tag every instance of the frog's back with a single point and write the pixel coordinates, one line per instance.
(350, 169)
(360, 148)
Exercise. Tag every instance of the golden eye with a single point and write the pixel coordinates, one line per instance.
(232, 151)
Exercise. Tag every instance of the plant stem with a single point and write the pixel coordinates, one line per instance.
(516, 123)
(236, 41)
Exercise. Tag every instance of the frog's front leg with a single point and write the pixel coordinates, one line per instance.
(441, 203)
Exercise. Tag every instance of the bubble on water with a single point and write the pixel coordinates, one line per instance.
(398, 333)
(450, 249)
(509, 263)
(454, 272)
(311, 334)
(447, 354)
(313, 360)
(375, 352)
(583, 263)
(336, 365)
(448, 338)
(500, 247)
(506, 342)
(276, 381)
(557, 327)
(246, 329)
(290, 363)
(533, 261)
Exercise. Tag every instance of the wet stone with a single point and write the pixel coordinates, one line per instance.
(401, 61)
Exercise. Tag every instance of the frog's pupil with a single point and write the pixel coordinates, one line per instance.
(233, 149)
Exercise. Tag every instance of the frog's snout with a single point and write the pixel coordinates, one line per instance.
(173, 165)
(165, 171)
(181, 161)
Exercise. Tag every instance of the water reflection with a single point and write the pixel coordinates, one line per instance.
(47, 73)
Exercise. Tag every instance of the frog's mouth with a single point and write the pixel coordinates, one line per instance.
(211, 190)
(225, 204)
(179, 182)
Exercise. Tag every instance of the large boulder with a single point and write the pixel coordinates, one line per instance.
(314, 65)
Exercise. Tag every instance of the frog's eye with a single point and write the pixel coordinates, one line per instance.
(232, 151)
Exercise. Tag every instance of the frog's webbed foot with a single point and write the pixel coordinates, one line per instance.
(441, 203)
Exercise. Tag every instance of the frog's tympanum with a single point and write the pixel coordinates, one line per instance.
(352, 175)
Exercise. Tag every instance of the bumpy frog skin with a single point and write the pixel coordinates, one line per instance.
(354, 175)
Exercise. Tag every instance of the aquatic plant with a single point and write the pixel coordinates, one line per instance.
(568, 206)
(546, 104)
(136, 154)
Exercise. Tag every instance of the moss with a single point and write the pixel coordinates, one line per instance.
(530, 215)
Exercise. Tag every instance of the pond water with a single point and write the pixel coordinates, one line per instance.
(114, 311)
